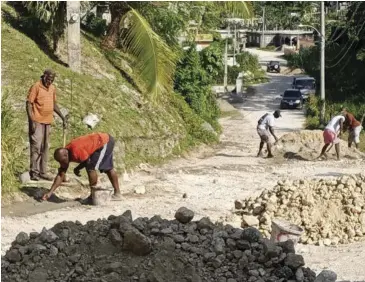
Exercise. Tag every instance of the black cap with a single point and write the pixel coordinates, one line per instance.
(277, 113)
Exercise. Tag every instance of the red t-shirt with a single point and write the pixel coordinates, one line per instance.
(81, 148)
(352, 121)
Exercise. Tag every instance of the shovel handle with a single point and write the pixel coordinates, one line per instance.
(64, 137)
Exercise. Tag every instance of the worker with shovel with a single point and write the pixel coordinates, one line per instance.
(354, 127)
(331, 135)
(265, 126)
(40, 105)
(92, 152)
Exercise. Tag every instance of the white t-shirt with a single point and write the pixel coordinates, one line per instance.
(334, 124)
(268, 121)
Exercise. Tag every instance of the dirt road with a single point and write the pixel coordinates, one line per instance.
(214, 178)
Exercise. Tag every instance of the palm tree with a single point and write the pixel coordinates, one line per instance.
(154, 60)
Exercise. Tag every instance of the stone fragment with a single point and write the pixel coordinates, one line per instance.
(326, 276)
(294, 261)
(22, 238)
(184, 215)
(251, 234)
(249, 220)
(137, 243)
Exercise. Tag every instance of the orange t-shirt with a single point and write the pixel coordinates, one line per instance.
(81, 148)
(42, 100)
(352, 121)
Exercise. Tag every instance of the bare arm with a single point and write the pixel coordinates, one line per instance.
(56, 183)
(57, 110)
(29, 110)
(271, 129)
(341, 127)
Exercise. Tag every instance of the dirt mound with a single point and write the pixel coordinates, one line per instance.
(330, 211)
(307, 145)
(151, 249)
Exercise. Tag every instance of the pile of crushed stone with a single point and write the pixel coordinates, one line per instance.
(152, 249)
(307, 145)
(330, 211)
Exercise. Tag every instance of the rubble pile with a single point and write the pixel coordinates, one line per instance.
(307, 145)
(151, 249)
(331, 211)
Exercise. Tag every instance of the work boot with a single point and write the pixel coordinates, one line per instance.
(34, 176)
(87, 201)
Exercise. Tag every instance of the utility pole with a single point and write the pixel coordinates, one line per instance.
(323, 97)
(73, 35)
(263, 28)
(226, 63)
(234, 43)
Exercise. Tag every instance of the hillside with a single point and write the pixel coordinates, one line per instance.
(145, 131)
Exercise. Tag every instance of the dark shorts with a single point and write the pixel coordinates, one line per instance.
(102, 159)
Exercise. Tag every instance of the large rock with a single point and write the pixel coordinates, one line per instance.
(184, 215)
(251, 234)
(326, 276)
(136, 242)
(294, 261)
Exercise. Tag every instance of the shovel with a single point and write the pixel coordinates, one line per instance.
(64, 136)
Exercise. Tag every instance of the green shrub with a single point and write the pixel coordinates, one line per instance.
(95, 25)
(194, 83)
(312, 123)
(211, 59)
(12, 159)
(248, 62)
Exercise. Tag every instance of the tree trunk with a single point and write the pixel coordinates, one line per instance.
(117, 11)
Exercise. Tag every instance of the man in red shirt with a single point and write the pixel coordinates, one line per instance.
(354, 127)
(93, 152)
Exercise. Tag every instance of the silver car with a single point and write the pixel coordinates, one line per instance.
(306, 85)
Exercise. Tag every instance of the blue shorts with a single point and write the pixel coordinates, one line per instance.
(102, 159)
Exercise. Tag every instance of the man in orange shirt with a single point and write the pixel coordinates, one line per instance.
(354, 128)
(41, 102)
(93, 152)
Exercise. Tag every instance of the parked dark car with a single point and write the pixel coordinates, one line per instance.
(273, 66)
(292, 98)
(306, 85)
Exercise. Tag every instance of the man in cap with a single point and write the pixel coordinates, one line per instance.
(265, 126)
(93, 152)
(40, 105)
(331, 135)
(354, 128)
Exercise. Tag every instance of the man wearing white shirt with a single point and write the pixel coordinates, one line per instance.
(331, 135)
(265, 126)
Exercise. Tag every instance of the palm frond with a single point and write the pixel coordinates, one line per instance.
(242, 9)
(154, 60)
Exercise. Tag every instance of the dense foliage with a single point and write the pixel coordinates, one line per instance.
(345, 62)
(288, 14)
(192, 81)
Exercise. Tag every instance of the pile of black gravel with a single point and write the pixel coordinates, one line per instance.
(151, 249)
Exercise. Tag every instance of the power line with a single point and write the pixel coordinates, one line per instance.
(352, 16)
(348, 49)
